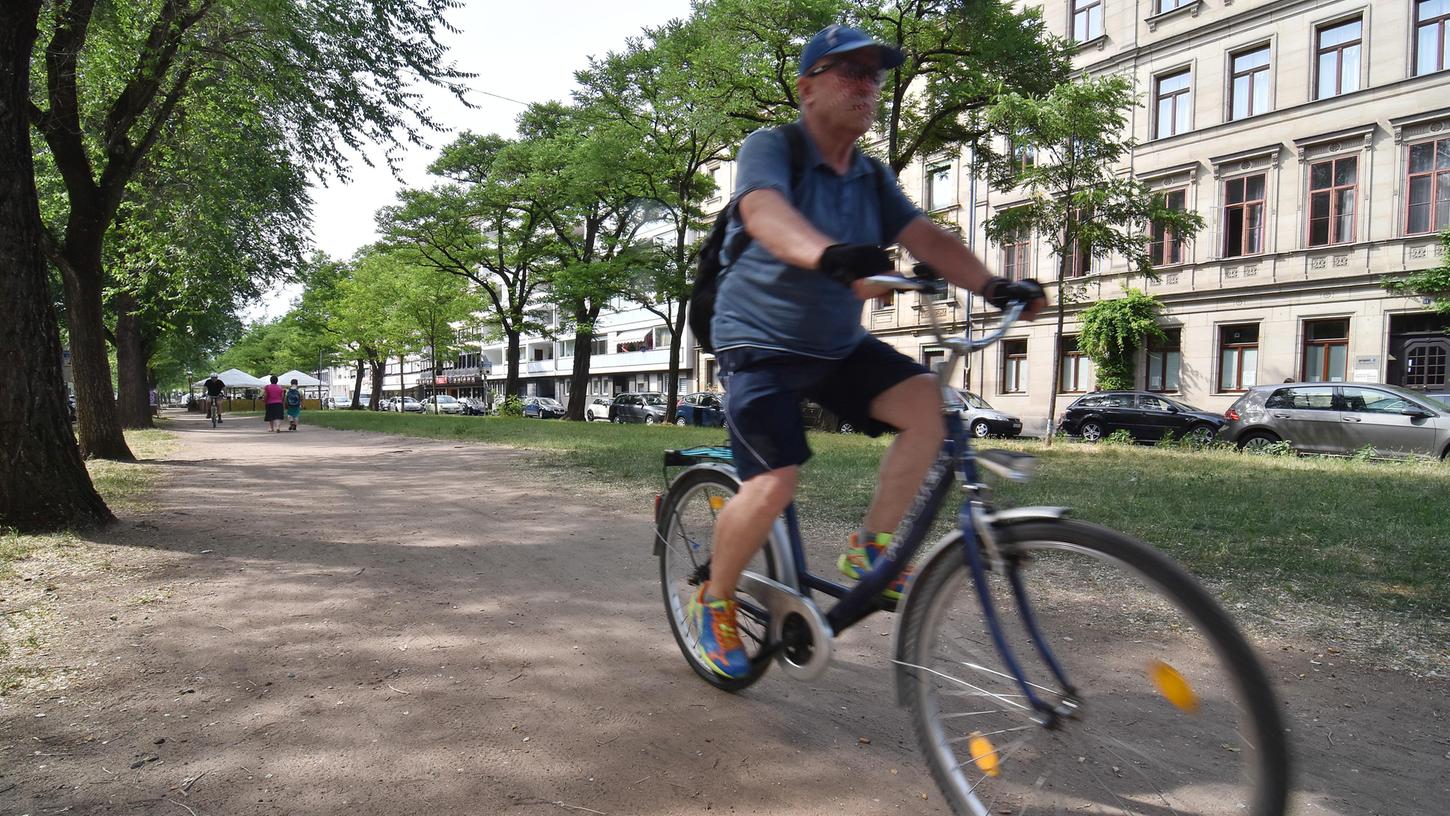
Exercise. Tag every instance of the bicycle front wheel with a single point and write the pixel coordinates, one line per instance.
(1168, 711)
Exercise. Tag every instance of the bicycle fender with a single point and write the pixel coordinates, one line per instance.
(949, 546)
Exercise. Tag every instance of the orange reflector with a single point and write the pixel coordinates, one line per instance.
(983, 754)
(717, 502)
(1172, 686)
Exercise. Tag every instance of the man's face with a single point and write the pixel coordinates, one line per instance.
(842, 90)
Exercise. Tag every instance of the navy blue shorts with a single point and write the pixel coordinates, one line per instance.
(764, 389)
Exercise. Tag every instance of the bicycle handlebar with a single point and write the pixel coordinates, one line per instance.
(960, 345)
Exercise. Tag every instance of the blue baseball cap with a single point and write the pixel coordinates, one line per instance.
(838, 39)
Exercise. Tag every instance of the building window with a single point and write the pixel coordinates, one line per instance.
(1425, 364)
(599, 344)
(1017, 256)
(1014, 366)
(1238, 367)
(1074, 375)
(1024, 156)
(1082, 260)
(566, 348)
(1165, 357)
(884, 301)
(1432, 36)
(1167, 248)
(1243, 216)
(1249, 89)
(1174, 97)
(1337, 58)
(932, 358)
(1164, 6)
(662, 337)
(1331, 201)
(939, 191)
(1428, 182)
(1326, 350)
(1087, 20)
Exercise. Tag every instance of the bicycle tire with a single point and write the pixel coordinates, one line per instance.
(1211, 713)
(214, 413)
(680, 531)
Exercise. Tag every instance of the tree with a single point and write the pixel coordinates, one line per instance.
(365, 316)
(652, 95)
(336, 72)
(1112, 331)
(430, 302)
(483, 224)
(43, 482)
(960, 56)
(1432, 283)
(1076, 198)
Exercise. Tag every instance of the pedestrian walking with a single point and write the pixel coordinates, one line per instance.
(154, 398)
(293, 402)
(272, 396)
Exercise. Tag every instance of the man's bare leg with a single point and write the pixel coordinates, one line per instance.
(914, 407)
(744, 524)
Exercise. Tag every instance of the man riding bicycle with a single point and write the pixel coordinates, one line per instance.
(214, 389)
(787, 322)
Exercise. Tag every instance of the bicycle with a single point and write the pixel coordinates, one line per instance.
(1189, 723)
(214, 410)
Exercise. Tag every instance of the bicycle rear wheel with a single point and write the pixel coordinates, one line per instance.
(686, 531)
(1173, 713)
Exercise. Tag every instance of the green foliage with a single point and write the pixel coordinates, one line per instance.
(1365, 453)
(1112, 331)
(512, 406)
(1119, 437)
(1432, 283)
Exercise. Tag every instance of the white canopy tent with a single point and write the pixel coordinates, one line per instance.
(235, 378)
(303, 380)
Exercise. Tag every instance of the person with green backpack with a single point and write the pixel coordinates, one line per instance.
(292, 401)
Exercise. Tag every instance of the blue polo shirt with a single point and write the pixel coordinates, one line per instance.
(764, 303)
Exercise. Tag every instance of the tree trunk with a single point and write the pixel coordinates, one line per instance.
(379, 368)
(357, 387)
(134, 404)
(579, 377)
(677, 340)
(511, 379)
(1057, 348)
(100, 428)
(43, 482)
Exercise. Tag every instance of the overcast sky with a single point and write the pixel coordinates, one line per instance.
(526, 51)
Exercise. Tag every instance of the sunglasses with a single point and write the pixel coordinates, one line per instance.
(851, 71)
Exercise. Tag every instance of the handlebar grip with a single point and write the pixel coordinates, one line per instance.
(925, 271)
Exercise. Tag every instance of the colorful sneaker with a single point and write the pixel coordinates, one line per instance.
(859, 559)
(719, 640)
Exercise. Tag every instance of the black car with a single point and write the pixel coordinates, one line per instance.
(1146, 417)
(648, 407)
(815, 416)
(702, 408)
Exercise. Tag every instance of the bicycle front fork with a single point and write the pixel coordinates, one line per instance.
(976, 537)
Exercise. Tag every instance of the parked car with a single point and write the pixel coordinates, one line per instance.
(442, 404)
(597, 409)
(365, 400)
(981, 419)
(647, 407)
(341, 403)
(700, 408)
(1145, 416)
(1341, 419)
(543, 408)
(814, 415)
(409, 405)
(473, 406)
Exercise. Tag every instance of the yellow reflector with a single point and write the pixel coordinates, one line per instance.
(983, 754)
(717, 502)
(1172, 686)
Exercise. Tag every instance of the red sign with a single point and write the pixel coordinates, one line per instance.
(440, 380)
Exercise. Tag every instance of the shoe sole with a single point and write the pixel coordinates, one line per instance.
(849, 570)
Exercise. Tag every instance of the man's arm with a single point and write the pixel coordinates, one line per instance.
(946, 253)
(773, 223)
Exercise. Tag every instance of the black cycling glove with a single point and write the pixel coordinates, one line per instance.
(845, 263)
(999, 291)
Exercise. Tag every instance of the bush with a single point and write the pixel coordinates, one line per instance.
(1365, 453)
(1119, 437)
(512, 407)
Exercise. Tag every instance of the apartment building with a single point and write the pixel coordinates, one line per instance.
(1314, 139)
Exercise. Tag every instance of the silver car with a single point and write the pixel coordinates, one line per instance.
(980, 418)
(1341, 419)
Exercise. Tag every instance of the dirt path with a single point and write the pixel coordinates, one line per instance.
(327, 622)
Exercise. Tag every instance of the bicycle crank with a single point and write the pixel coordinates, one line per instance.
(797, 627)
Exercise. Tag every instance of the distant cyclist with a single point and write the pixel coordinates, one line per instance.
(787, 321)
(214, 390)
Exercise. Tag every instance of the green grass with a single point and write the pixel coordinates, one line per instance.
(1352, 534)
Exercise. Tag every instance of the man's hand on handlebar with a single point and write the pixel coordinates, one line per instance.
(1000, 292)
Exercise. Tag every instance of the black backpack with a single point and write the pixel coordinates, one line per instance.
(711, 265)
